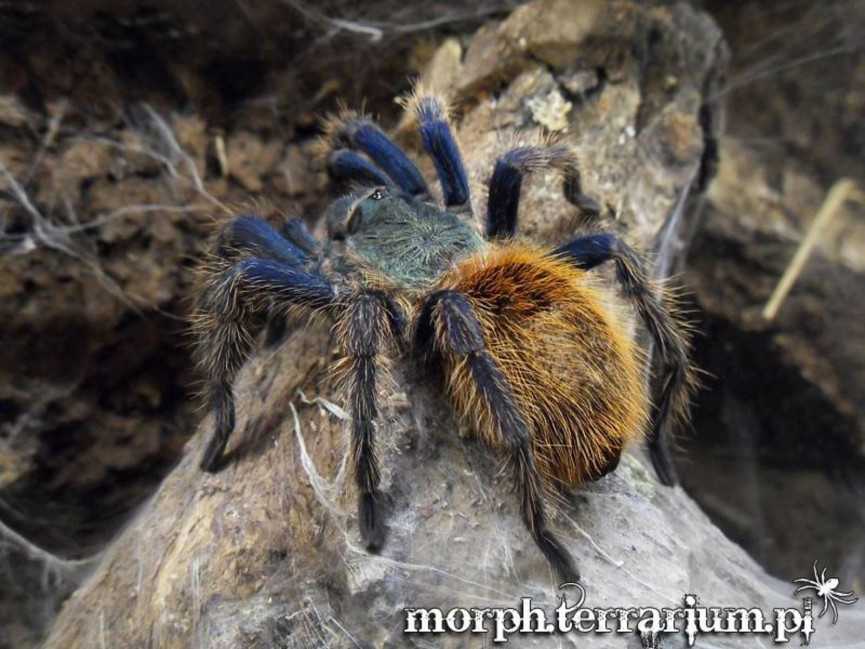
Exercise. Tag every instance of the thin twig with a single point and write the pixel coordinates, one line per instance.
(36, 553)
(58, 238)
(836, 197)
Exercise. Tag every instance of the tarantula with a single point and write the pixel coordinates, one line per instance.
(529, 354)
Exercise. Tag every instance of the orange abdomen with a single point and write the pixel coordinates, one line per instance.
(573, 369)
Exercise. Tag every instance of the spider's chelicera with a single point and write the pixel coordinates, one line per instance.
(526, 349)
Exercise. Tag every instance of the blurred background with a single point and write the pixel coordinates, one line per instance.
(123, 124)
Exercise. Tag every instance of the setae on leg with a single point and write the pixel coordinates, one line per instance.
(345, 167)
(369, 322)
(229, 302)
(295, 231)
(507, 180)
(451, 316)
(439, 142)
(249, 234)
(360, 134)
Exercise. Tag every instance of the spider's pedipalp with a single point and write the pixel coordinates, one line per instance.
(369, 322)
(360, 134)
(506, 183)
(345, 167)
(230, 299)
(439, 142)
(458, 333)
(676, 380)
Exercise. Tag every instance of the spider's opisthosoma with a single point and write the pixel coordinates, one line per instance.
(529, 355)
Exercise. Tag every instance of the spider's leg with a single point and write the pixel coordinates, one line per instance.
(360, 134)
(296, 232)
(438, 140)
(345, 167)
(671, 341)
(257, 237)
(368, 323)
(512, 167)
(229, 301)
(450, 315)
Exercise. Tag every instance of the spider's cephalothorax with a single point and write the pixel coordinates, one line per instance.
(530, 356)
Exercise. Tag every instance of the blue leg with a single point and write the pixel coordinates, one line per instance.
(293, 245)
(256, 236)
(296, 232)
(447, 318)
(675, 377)
(229, 302)
(282, 283)
(345, 167)
(439, 142)
(506, 183)
(362, 135)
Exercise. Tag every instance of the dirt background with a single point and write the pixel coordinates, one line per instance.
(125, 128)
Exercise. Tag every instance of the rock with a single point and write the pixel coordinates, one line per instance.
(579, 82)
(761, 218)
(299, 172)
(250, 158)
(555, 31)
(445, 67)
(551, 111)
(266, 553)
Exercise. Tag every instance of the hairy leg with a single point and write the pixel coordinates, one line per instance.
(439, 142)
(249, 235)
(675, 378)
(346, 168)
(370, 320)
(360, 134)
(295, 231)
(506, 183)
(224, 325)
(449, 316)
(255, 236)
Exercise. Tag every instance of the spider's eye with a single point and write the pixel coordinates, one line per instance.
(377, 195)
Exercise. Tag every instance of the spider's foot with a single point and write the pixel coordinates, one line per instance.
(662, 462)
(559, 558)
(213, 457)
(223, 414)
(372, 531)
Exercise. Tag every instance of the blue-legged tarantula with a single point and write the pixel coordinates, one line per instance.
(528, 353)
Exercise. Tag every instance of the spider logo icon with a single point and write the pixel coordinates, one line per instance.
(825, 588)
